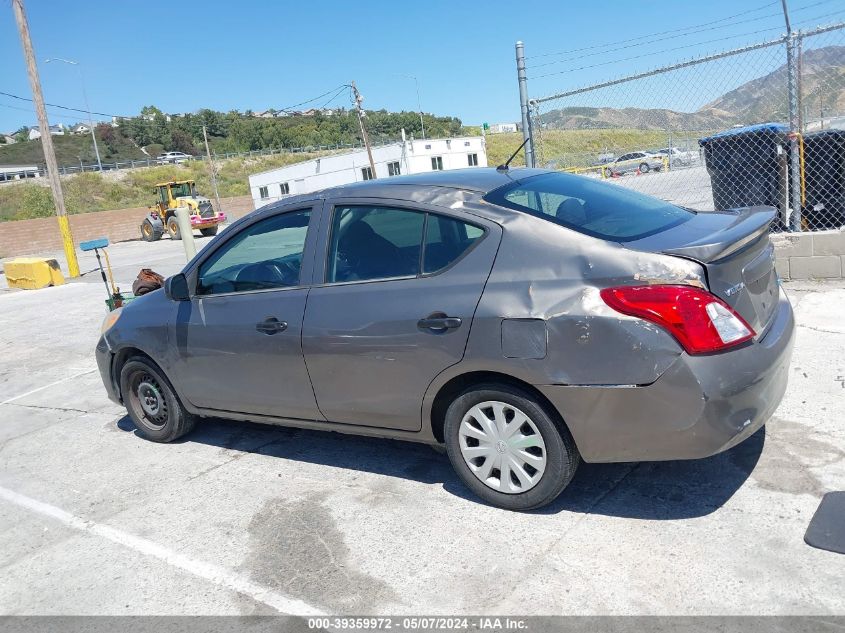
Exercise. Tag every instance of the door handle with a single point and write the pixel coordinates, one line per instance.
(271, 325)
(439, 322)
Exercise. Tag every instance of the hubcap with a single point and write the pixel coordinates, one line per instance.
(150, 399)
(502, 447)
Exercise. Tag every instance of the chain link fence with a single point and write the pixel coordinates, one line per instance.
(759, 125)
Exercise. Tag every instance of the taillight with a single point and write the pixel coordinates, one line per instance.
(700, 321)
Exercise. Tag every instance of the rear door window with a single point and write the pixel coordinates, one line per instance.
(590, 206)
(446, 240)
(374, 242)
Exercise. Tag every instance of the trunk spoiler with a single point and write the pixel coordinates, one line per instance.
(749, 224)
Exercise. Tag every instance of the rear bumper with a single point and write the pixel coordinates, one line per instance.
(700, 406)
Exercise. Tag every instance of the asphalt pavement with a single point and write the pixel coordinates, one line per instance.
(240, 518)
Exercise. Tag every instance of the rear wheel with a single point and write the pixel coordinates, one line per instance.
(212, 230)
(152, 403)
(173, 228)
(644, 168)
(150, 232)
(507, 448)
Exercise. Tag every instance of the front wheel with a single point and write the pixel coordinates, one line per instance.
(644, 168)
(210, 231)
(152, 403)
(173, 228)
(507, 448)
(149, 231)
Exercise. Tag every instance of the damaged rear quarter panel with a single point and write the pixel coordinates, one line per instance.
(545, 271)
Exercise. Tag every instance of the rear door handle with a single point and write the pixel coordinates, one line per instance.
(271, 325)
(438, 323)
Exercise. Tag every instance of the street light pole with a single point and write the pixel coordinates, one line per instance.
(85, 98)
(419, 106)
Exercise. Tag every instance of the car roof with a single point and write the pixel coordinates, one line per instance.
(478, 179)
(446, 186)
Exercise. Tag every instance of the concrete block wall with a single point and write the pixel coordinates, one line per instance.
(819, 255)
(41, 235)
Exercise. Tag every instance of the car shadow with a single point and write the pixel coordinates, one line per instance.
(648, 490)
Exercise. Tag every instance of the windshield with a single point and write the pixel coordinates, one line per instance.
(183, 189)
(590, 206)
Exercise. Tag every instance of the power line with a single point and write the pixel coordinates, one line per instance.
(619, 61)
(821, 17)
(61, 107)
(335, 96)
(652, 41)
(642, 37)
(296, 105)
(810, 6)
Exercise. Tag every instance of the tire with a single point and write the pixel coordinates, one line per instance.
(210, 231)
(150, 232)
(555, 445)
(644, 168)
(162, 418)
(173, 228)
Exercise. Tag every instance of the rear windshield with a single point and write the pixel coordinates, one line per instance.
(590, 206)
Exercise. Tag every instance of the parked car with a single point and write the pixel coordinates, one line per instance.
(677, 156)
(409, 308)
(635, 161)
(173, 157)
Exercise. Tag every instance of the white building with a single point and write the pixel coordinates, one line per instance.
(55, 130)
(501, 128)
(405, 157)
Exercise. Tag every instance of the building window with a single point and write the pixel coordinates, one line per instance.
(472, 160)
(428, 146)
(262, 191)
(284, 188)
(366, 173)
(466, 143)
(393, 169)
(436, 163)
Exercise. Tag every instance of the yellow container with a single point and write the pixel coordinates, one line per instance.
(31, 273)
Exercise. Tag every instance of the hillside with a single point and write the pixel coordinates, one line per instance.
(228, 132)
(132, 188)
(759, 100)
(70, 149)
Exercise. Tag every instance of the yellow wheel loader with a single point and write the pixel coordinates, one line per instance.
(171, 196)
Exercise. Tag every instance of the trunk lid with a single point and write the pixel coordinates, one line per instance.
(737, 255)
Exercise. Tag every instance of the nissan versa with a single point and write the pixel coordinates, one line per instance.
(526, 319)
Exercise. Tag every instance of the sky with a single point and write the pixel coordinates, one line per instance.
(250, 54)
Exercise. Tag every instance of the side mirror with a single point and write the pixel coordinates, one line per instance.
(176, 288)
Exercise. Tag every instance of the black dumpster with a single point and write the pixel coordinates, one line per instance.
(747, 165)
(824, 179)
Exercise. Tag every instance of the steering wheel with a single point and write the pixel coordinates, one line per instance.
(263, 275)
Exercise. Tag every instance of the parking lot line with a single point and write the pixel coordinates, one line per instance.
(52, 384)
(213, 573)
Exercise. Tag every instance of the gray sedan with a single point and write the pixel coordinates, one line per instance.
(526, 319)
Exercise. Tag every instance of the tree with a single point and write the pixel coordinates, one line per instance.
(181, 142)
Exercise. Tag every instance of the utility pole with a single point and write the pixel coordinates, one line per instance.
(361, 114)
(46, 139)
(213, 169)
